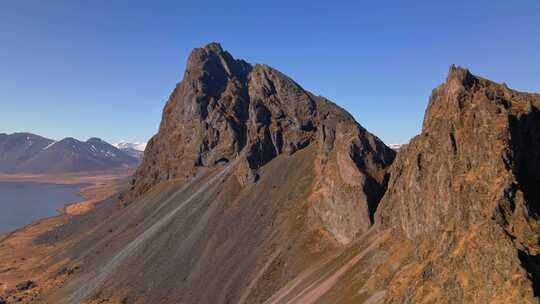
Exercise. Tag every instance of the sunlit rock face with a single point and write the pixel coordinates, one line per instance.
(464, 185)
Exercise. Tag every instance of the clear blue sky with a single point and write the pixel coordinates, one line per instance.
(106, 68)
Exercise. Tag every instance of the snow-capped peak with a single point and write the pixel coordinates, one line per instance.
(139, 146)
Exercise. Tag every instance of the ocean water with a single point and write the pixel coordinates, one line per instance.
(21, 203)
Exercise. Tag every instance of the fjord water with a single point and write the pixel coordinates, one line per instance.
(21, 203)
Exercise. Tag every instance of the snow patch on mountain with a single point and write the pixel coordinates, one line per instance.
(139, 146)
(395, 147)
(49, 145)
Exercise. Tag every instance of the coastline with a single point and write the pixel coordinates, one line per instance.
(94, 186)
(20, 256)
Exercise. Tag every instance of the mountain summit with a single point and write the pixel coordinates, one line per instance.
(227, 110)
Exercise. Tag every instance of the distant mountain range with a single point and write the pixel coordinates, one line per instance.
(135, 149)
(30, 153)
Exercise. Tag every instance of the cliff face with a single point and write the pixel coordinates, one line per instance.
(203, 121)
(225, 109)
(475, 156)
(462, 192)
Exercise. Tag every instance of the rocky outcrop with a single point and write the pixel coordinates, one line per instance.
(226, 109)
(26, 285)
(203, 122)
(462, 191)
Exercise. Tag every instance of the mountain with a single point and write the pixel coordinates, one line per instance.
(135, 149)
(254, 190)
(29, 153)
(249, 180)
(463, 198)
(17, 148)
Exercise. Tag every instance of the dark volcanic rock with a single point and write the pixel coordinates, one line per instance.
(26, 285)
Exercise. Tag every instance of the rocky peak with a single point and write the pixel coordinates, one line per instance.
(211, 68)
(461, 77)
(467, 179)
(468, 135)
(226, 109)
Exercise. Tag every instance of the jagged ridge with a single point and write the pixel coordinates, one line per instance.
(256, 191)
